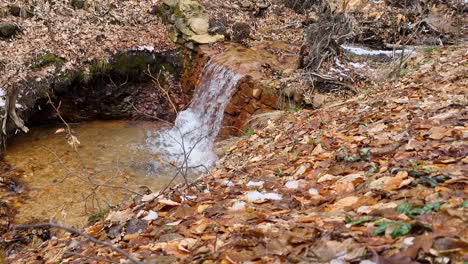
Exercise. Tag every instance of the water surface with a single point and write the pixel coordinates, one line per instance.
(111, 162)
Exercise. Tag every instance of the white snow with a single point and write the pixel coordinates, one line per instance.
(313, 191)
(293, 184)
(227, 183)
(152, 215)
(256, 196)
(357, 65)
(367, 262)
(188, 197)
(255, 183)
(238, 205)
(408, 241)
(362, 209)
(140, 213)
(368, 52)
(144, 48)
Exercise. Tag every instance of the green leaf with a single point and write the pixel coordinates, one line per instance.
(365, 152)
(364, 220)
(430, 181)
(403, 208)
(464, 204)
(401, 230)
(381, 227)
(167, 228)
(348, 220)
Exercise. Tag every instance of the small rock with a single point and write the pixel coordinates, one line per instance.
(206, 39)
(8, 30)
(199, 25)
(319, 100)
(171, 3)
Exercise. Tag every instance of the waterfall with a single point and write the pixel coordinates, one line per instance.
(189, 142)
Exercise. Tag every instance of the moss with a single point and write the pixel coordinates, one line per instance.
(131, 65)
(8, 30)
(100, 67)
(46, 60)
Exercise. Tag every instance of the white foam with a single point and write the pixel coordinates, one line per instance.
(189, 143)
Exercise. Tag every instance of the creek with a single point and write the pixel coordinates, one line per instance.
(117, 159)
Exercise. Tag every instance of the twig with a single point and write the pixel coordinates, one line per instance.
(156, 82)
(75, 231)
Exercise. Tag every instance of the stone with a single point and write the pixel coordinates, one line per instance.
(171, 3)
(319, 100)
(8, 30)
(269, 99)
(206, 39)
(199, 25)
(183, 28)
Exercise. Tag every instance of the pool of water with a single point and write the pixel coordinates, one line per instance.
(68, 185)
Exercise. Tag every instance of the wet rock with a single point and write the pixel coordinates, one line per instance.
(240, 31)
(8, 30)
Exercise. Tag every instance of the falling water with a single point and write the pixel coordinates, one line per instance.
(189, 142)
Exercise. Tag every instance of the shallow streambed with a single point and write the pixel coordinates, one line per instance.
(67, 185)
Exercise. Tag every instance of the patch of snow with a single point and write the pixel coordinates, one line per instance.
(206, 191)
(367, 262)
(2, 102)
(337, 261)
(293, 184)
(254, 183)
(357, 65)
(313, 191)
(409, 241)
(2, 93)
(238, 205)
(362, 209)
(256, 196)
(368, 52)
(152, 215)
(144, 48)
(188, 197)
(140, 213)
(227, 183)
(18, 106)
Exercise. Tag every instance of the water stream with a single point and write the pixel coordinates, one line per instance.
(189, 142)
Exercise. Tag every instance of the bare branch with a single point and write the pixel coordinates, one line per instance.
(75, 231)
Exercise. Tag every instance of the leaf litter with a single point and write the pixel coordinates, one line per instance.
(384, 181)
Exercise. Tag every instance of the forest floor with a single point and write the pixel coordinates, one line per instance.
(378, 178)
